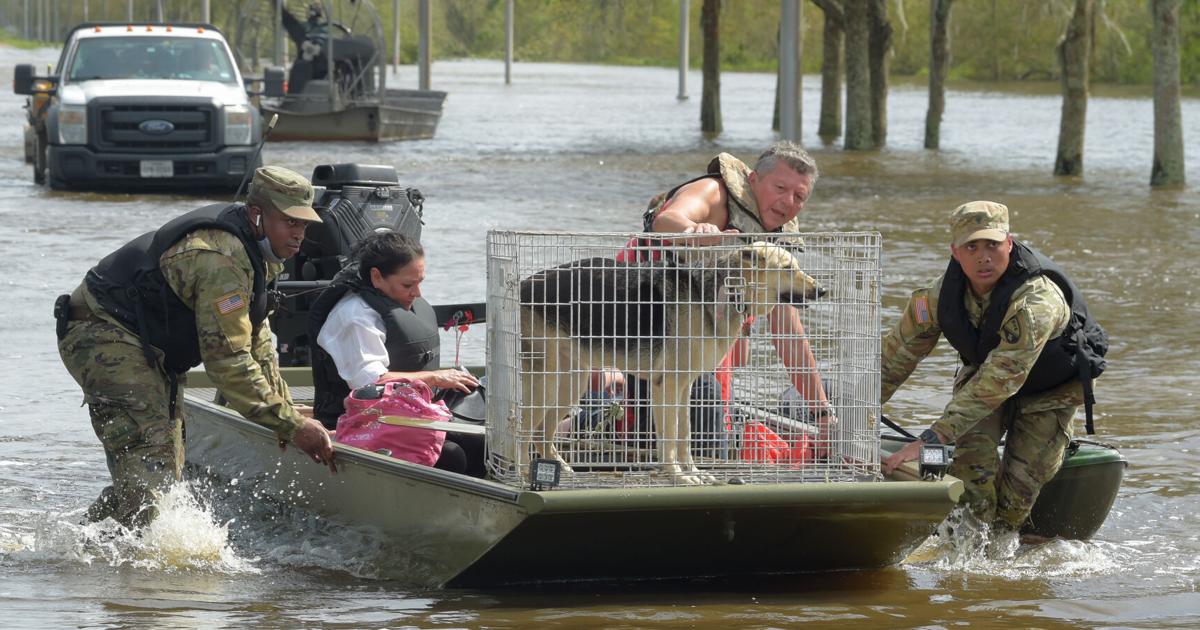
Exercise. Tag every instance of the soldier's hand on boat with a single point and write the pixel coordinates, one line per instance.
(909, 453)
(451, 378)
(313, 439)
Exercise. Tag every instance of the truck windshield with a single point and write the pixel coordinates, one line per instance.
(183, 58)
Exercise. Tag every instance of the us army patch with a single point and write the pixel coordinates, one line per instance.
(921, 309)
(1011, 330)
(230, 303)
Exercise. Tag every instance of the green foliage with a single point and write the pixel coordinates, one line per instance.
(990, 40)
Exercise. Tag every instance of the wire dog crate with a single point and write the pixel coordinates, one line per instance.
(648, 359)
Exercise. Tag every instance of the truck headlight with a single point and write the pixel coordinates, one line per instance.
(72, 124)
(238, 124)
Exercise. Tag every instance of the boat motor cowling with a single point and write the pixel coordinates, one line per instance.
(353, 201)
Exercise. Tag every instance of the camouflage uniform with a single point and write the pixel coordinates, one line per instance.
(129, 402)
(985, 405)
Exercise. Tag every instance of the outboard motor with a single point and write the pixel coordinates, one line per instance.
(353, 201)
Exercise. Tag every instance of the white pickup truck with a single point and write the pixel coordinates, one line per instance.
(143, 106)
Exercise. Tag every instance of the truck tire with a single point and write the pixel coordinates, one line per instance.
(30, 143)
(39, 160)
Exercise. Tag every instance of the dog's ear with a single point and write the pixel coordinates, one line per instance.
(754, 254)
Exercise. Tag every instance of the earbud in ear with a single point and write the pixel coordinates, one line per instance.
(258, 220)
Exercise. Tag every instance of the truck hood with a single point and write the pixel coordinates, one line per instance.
(219, 93)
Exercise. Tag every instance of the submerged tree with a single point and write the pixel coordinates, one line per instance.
(1168, 124)
(858, 77)
(1074, 50)
(831, 70)
(939, 63)
(880, 48)
(710, 99)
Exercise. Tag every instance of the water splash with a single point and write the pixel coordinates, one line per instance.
(184, 537)
(965, 544)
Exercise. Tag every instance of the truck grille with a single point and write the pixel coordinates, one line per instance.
(119, 126)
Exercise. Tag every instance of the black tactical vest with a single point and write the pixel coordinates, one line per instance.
(1078, 353)
(129, 285)
(411, 338)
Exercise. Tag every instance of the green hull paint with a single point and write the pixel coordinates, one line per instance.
(475, 532)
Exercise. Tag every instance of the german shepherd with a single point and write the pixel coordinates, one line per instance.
(660, 321)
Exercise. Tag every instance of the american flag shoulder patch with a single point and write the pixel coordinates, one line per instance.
(921, 309)
(230, 303)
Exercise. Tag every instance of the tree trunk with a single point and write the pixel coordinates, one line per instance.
(1168, 123)
(710, 99)
(858, 77)
(939, 62)
(831, 71)
(1074, 48)
(880, 49)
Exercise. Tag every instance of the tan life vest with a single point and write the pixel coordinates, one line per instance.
(742, 209)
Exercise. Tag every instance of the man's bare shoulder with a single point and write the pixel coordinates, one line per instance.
(708, 189)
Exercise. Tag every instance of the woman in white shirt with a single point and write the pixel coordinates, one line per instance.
(372, 324)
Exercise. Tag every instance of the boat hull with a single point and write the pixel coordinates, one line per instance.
(403, 115)
(473, 532)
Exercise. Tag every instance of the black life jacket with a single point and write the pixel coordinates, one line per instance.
(129, 285)
(411, 338)
(1078, 353)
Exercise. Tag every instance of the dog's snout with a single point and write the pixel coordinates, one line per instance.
(803, 293)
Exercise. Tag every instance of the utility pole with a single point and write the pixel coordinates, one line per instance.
(277, 30)
(205, 12)
(508, 41)
(789, 87)
(396, 35)
(684, 27)
(425, 25)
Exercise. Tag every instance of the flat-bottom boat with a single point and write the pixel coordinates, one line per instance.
(474, 532)
(398, 115)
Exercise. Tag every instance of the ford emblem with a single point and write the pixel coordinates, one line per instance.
(156, 127)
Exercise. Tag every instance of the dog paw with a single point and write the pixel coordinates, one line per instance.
(688, 480)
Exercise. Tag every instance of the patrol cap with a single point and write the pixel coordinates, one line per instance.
(286, 190)
(978, 219)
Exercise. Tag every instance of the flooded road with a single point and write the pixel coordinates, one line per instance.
(582, 148)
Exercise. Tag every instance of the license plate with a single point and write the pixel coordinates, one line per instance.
(157, 168)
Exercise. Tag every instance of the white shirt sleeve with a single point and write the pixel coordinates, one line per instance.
(354, 337)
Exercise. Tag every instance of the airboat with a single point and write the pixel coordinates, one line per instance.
(615, 515)
(337, 83)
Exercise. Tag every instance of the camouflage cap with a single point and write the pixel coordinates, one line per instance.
(978, 219)
(286, 190)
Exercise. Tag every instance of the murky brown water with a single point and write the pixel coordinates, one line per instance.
(574, 147)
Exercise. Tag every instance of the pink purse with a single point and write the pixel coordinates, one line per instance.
(360, 425)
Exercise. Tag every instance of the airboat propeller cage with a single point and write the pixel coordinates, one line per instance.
(353, 201)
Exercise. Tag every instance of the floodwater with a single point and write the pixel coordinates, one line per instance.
(582, 148)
